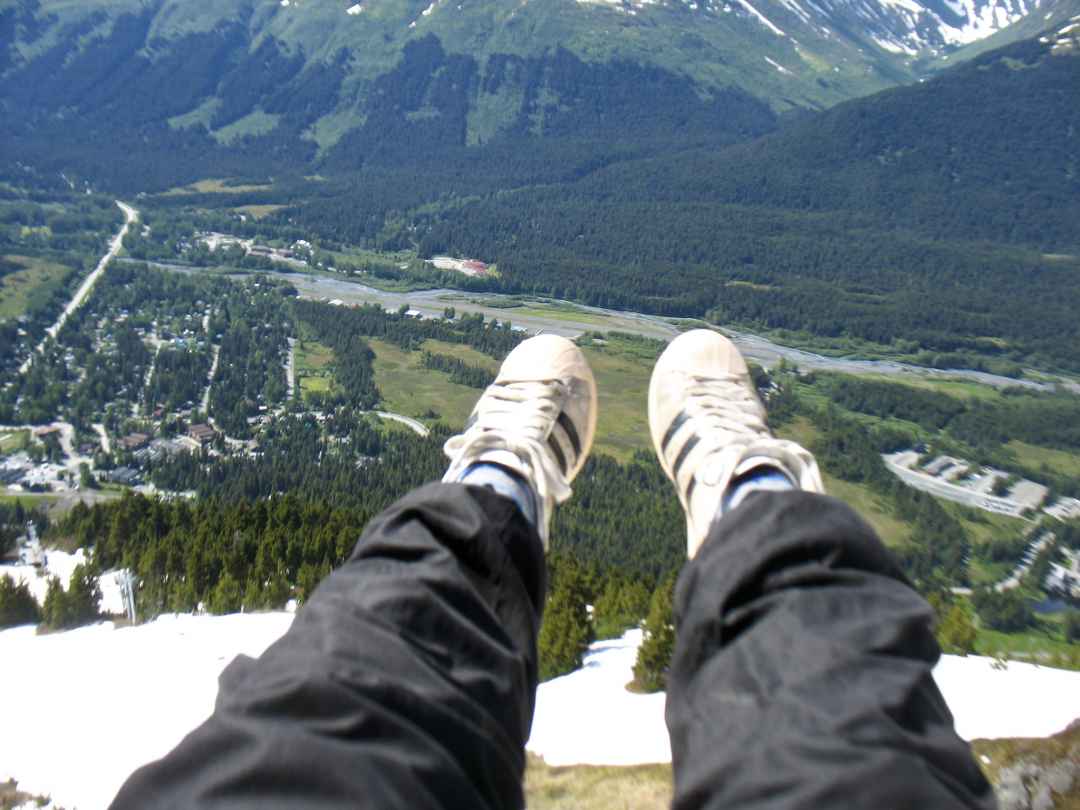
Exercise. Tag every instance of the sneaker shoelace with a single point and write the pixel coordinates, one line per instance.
(518, 417)
(729, 414)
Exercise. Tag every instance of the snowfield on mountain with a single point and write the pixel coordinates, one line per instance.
(85, 708)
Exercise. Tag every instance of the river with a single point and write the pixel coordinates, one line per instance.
(570, 320)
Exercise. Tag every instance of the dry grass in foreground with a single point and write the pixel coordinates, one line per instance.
(583, 787)
(1026, 773)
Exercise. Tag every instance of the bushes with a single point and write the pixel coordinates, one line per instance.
(1072, 626)
(1008, 611)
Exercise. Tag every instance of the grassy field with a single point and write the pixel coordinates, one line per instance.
(561, 313)
(215, 186)
(31, 285)
(1043, 644)
(644, 787)
(14, 442)
(408, 388)
(464, 353)
(259, 211)
(623, 382)
(962, 389)
(313, 361)
(1036, 458)
(649, 787)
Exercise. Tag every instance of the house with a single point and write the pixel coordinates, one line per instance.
(135, 441)
(203, 434)
(124, 476)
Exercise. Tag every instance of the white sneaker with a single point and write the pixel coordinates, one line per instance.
(708, 428)
(538, 418)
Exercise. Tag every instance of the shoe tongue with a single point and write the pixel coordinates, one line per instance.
(733, 461)
(751, 462)
(505, 458)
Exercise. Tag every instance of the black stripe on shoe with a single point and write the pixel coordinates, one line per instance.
(571, 433)
(691, 443)
(553, 443)
(677, 423)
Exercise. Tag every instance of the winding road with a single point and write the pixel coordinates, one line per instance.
(131, 215)
(417, 427)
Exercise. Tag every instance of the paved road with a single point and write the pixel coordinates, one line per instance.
(290, 369)
(204, 404)
(1013, 580)
(106, 445)
(130, 216)
(417, 427)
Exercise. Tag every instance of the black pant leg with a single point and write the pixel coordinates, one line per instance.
(802, 671)
(408, 680)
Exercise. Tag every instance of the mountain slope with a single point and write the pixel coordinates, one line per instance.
(1049, 17)
(940, 215)
(246, 87)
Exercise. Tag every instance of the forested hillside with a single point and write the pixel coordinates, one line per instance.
(942, 214)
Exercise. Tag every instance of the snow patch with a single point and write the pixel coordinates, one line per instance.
(589, 717)
(779, 67)
(62, 565)
(90, 707)
(895, 47)
(58, 564)
(762, 18)
(96, 703)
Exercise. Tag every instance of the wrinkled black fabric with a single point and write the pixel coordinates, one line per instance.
(802, 671)
(407, 680)
(801, 678)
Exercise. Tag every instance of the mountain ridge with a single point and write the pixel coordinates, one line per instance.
(287, 84)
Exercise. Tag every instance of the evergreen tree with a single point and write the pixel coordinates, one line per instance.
(277, 592)
(254, 596)
(622, 604)
(83, 597)
(654, 655)
(76, 606)
(565, 632)
(53, 611)
(17, 604)
(226, 597)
